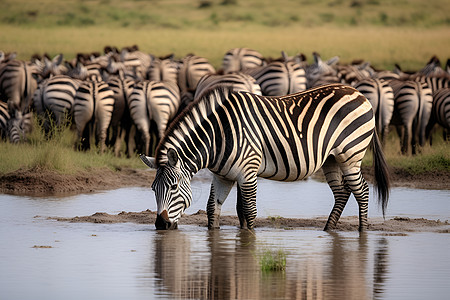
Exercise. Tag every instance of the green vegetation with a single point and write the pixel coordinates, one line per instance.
(270, 260)
(383, 32)
(58, 154)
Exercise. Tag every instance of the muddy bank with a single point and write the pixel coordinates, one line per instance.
(39, 182)
(395, 225)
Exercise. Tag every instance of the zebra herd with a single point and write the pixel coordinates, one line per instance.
(117, 93)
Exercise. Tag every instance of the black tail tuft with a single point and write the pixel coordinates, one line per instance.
(382, 178)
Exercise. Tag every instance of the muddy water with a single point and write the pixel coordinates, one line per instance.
(47, 259)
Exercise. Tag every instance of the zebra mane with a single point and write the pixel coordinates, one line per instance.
(208, 98)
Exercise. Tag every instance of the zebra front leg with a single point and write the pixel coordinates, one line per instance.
(246, 203)
(220, 188)
(341, 193)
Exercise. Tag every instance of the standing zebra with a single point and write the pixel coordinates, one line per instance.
(240, 136)
(412, 110)
(320, 72)
(165, 69)
(153, 101)
(440, 113)
(381, 96)
(192, 68)
(93, 107)
(279, 78)
(241, 59)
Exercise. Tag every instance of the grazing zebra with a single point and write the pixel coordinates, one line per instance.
(381, 96)
(412, 110)
(279, 78)
(321, 73)
(153, 101)
(440, 112)
(14, 127)
(192, 68)
(17, 84)
(240, 59)
(235, 81)
(54, 99)
(165, 69)
(240, 136)
(93, 107)
(120, 120)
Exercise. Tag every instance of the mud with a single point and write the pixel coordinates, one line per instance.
(394, 226)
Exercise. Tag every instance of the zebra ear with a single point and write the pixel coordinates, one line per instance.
(149, 161)
(173, 157)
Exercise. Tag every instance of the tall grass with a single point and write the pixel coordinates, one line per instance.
(58, 154)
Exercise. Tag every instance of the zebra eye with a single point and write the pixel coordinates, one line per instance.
(174, 186)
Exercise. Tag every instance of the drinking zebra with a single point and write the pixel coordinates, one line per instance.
(153, 101)
(93, 107)
(381, 96)
(412, 109)
(241, 59)
(240, 136)
(279, 78)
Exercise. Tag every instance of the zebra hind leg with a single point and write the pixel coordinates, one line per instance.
(341, 192)
(360, 189)
(220, 188)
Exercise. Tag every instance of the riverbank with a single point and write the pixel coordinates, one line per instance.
(41, 182)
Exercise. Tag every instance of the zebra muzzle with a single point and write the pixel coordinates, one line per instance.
(163, 223)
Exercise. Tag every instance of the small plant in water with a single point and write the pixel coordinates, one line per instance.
(271, 260)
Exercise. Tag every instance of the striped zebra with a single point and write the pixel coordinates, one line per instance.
(321, 72)
(351, 74)
(381, 96)
(17, 84)
(192, 68)
(412, 109)
(93, 107)
(54, 100)
(279, 78)
(240, 136)
(13, 128)
(241, 59)
(153, 101)
(440, 113)
(121, 122)
(165, 69)
(235, 81)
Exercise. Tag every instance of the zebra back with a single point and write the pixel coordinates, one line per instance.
(163, 70)
(240, 59)
(192, 68)
(235, 81)
(441, 107)
(280, 78)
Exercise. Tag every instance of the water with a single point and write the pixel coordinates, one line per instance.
(46, 259)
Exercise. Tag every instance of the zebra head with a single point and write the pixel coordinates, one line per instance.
(172, 189)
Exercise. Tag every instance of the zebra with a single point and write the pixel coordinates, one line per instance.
(236, 81)
(279, 78)
(54, 99)
(240, 136)
(440, 113)
(412, 109)
(15, 127)
(351, 74)
(120, 120)
(192, 69)
(93, 107)
(321, 73)
(17, 84)
(240, 59)
(153, 101)
(381, 96)
(165, 69)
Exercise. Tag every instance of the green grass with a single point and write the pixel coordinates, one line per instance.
(58, 154)
(272, 261)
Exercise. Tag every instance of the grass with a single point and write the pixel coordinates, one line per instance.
(58, 154)
(272, 261)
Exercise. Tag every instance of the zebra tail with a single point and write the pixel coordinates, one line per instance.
(382, 178)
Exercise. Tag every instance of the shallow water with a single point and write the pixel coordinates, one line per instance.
(46, 259)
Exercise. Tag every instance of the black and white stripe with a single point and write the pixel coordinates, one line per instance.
(241, 59)
(153, 101)
(381, 96)
(240, 136)
(93, 107)
(412, 110)
(163, 70)
(279, 78)
(192, 68)
(440, 113)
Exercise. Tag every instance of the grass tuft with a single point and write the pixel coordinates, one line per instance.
(272, 261)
